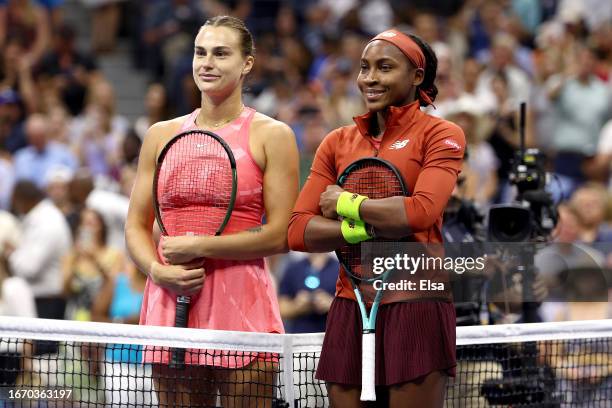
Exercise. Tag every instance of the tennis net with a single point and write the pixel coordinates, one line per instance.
(50, 363)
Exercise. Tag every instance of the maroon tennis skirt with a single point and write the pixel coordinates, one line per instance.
(413, 339)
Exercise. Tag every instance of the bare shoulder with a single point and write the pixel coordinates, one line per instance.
(168, 126)
(160, 132)
(271, 138)
(266, 128)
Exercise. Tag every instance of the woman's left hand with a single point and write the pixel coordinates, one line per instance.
(180, 250)
(329, 200)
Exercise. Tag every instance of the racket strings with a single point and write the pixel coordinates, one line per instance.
(375, 181)
(194, 186)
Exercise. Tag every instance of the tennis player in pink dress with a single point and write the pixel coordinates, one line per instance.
(235, 292)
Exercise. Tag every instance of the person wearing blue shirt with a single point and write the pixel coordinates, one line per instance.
(306, 291)
(32, 163)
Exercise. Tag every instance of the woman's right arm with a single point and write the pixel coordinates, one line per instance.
(180, 279)
(309, 231)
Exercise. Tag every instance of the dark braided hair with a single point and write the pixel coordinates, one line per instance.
(431, 68)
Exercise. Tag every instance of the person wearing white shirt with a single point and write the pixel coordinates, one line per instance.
(46, 239)
(112, 206)
(502, 60)
(7, 179)
(16, 297)
(600, 168)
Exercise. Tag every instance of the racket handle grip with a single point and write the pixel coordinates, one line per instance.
(177, 358)
(182, 311)
(368, 363)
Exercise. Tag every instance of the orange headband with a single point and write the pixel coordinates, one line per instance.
(410, 49)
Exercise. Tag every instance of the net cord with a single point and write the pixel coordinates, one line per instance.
(115, 333)
(111, 333)
(528, 332)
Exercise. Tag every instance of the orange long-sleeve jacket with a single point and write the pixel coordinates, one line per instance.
(427, 151)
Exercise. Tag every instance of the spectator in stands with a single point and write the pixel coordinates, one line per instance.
(341, 101)
(128, 177)
(582, 103)
(481, 174)
(275, 97)
(27, 21)
(45, 241)
(99, 133)
(34, 162)
(16, 297)
(426, 26)
(12, 133)
(306, 290)
(59, 124)
(449, 85)
(16, 74)
(120, 296)
(484, 21)
(90, 262)
(156, 104)
(470, 73)
(600, 167)
(58, 188)
(130, 150)
(112, 206)
(589, 203)
(106, 17)
(502, 61)
(7, 181)
(69, 70)
(314, 130)
(169, 29)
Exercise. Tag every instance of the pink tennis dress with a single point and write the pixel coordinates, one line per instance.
(237, 295)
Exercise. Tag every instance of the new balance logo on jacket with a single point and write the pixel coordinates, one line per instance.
(400, 144)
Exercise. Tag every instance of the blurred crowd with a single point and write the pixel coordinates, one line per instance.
(68, 156)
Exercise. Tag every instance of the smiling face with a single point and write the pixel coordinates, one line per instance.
(218, 62)
(386, 77)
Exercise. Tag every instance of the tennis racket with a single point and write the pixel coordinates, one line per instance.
(374, 178)
(194, 190)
